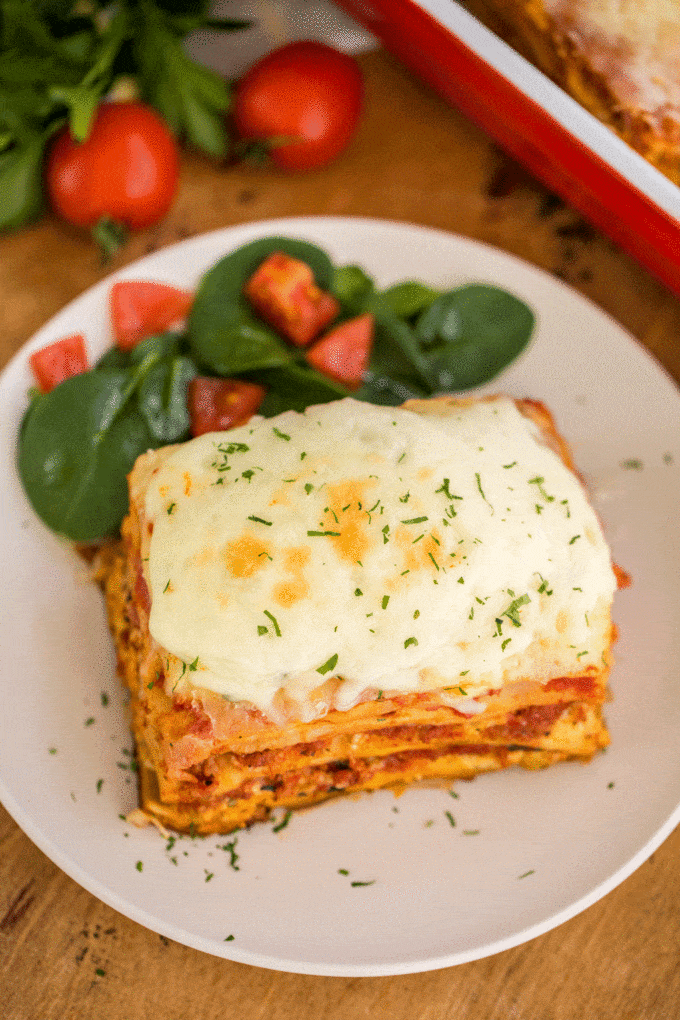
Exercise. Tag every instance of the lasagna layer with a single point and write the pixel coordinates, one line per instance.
(210, 762)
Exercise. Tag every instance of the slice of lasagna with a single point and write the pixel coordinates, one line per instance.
(357, 597)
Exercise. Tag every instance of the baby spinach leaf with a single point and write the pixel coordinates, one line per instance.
(385, 390)
(161, 345)
(352, 287)
(294, 387)
(408, 298)
(237, 345)
(396, 353)
(114, 360)
(470, 334)
(76, 446)
(162, 398)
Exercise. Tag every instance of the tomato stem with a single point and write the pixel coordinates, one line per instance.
(110, 237)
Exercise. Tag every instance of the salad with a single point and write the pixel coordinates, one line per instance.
(273, 326)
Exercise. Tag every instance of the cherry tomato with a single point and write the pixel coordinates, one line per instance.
(59, 361)
(127, 170)
(219, 404)
(305, 91)
(283, 290)
(344, 353)
(140, 308)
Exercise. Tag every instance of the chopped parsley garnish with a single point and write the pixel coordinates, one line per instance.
(481, 491)
(167, 586)
(233, 856)
(355, 884)
(405, 498)
(139, 865)
(328, 666)
(538, 481)
(100, 972)
(281, 435)
(433, 559)
(100, 783)
(208, 874)
(385, 601)
(512, 612)
(572, 540)
(171, 508)
(322, 534)
(505, 643)
(343, 871)
(283, 823)
(471, 832)
(261, 629)
(90, 722)
(633, 464)
(52, 750)
(277, 629)
(452, 820)
(105, 699)
(260, 520)
(416, 614)
(229, 938)
(527, 873)
(308, 487)
(415, 520)
(358, 591)
(506, 466)
(193, 666)
(410, 641)
(461, 580)
(385, 534)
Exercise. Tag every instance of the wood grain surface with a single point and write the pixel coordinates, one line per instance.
(66, 956)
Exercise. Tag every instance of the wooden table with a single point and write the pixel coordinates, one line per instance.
(414, 159)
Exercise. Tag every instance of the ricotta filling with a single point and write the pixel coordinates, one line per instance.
(382, 550)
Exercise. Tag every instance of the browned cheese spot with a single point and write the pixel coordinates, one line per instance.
(246, 555)
(188, 482)
(356, 535)
(419, 555)
(295, 559)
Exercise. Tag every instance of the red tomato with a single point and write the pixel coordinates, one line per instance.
(306, 91)
(127, 169)
(59, 361)
(344, 353)
(282, 289)
(140, 308)
(219, 404)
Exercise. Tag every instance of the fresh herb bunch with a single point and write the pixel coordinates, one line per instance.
(60, 58)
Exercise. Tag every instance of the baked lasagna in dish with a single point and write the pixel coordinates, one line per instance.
(619, 58)
(357, 597)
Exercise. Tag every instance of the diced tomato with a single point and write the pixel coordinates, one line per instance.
(59, 361)
(285, 294)
(344, 353)
(219, 404)
(140, 308)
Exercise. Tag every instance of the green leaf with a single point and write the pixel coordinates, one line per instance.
(82, 105)
(352, 287)
(224, 334)
(471, 334)
(162, 399)
(408, 298)
(76, 447)
(21, 182)
(294, 387)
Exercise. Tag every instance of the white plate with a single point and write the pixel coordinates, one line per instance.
(440, 897)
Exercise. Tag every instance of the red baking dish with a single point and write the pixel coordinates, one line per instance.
(563, 144)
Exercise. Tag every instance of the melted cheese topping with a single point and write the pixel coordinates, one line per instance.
(394, 551)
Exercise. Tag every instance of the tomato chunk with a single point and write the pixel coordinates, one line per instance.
(344, 353)
(59, 361)
(219, 404)
(285, 294)
(140, 308)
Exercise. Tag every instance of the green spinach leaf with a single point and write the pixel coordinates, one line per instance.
(77, 445)
(470, 334)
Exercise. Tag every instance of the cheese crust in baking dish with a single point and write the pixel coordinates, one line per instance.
(357, 597)
(619, 58)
